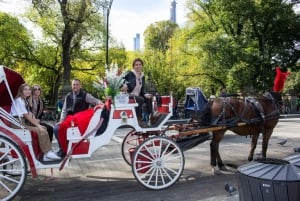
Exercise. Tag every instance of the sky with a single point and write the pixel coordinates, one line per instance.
(127, 17)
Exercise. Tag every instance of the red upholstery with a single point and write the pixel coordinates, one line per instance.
(132, 100)
(164, 107)
(7, 109)
(35, 145)
(80, 119)
(165, 100)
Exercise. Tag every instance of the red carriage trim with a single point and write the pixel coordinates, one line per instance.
(119, 113)
(82, 148)
(24, 148)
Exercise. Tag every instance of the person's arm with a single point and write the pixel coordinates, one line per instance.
(92, 100)
(18, 108)
(63, 113)
(30, 117)
(130, 81)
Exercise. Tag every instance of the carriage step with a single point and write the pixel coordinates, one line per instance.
(50, 162)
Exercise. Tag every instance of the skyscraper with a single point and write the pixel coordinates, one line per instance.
(136, 42)
(173, 12)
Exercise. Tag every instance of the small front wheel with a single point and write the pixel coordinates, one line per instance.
(158, 163)
(130, 142)
(13, 169)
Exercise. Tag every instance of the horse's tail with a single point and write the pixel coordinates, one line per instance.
(206, 114)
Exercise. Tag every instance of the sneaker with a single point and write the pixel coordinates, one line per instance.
(61, 153)
(51, 156)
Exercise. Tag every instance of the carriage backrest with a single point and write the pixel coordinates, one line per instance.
(10, 82)
(195, 100)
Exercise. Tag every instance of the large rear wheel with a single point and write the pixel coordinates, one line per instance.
(13, 169)
(158, 163)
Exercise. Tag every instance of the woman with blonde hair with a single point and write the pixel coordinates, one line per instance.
(37, 107)
(21, 110)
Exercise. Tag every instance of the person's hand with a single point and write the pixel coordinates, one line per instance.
(149, 96)
(124, 88)
(40, 127)
(99, 106)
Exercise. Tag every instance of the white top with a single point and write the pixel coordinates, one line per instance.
(20, 108)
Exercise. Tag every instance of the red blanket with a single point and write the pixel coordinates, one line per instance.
(80, 120)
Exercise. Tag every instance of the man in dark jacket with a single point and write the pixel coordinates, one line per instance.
(75, 101)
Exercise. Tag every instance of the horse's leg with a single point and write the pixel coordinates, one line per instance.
(266, 136)
(215, 157)
(253, 146)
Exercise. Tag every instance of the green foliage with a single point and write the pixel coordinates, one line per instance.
(15, 41)
(235, 42)
(157, 35)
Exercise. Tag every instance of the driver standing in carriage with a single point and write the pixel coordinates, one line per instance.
(76, 101)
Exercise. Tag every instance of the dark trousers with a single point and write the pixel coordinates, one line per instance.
(140, 102)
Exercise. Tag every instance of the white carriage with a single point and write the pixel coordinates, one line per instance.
(157, 162)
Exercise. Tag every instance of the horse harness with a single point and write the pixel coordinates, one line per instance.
(261, 116)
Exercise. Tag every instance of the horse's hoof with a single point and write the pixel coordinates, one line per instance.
(215, 171)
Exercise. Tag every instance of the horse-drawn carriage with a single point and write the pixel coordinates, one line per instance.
(155, 153)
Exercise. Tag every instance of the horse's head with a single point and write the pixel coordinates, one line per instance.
(276, 97)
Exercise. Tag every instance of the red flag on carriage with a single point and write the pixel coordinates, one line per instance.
(280, 79)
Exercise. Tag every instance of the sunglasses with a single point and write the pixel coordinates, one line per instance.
(35, 89)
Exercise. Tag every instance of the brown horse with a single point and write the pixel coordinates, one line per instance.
(248, 116)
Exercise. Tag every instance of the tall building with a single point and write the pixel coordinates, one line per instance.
(136, 42)
(173, 12)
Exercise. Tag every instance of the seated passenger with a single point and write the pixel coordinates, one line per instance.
(21, 110)
(76, 101)
(37, 108)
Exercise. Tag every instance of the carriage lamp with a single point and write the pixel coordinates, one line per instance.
(123, 116)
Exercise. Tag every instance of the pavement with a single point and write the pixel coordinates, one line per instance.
(105, 176)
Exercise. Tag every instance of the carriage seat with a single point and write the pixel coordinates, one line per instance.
(34, 137)
(163, 104)
(74, 127)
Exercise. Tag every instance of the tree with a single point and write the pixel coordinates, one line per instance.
(15, 41)
(157, 35)
(79, 26)
(237, 40)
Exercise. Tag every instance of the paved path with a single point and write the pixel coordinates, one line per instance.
(105, 176)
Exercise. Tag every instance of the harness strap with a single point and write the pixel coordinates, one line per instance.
(257, 106)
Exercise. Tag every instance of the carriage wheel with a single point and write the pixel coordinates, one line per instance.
(13, 169)
(130, 142)
(158, 163)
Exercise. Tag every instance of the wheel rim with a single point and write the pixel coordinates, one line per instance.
(13, 169)
(130, 142)
(158, 163)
